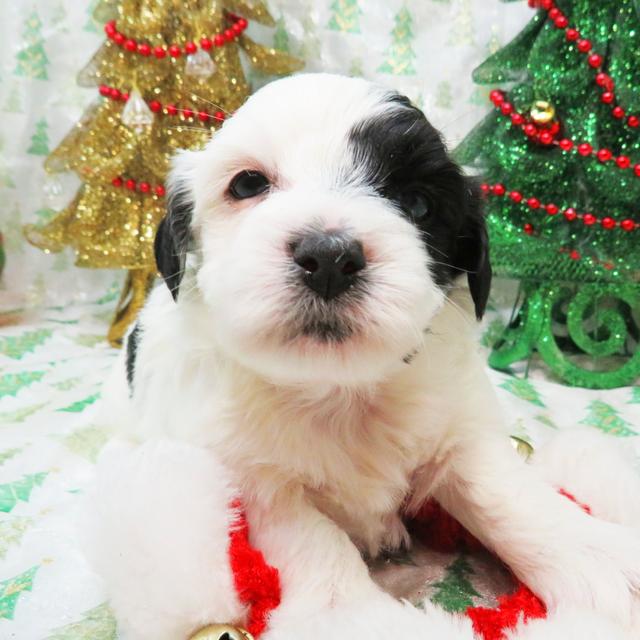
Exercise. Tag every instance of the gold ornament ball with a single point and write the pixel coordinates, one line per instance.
(542, 112)
(221, 632)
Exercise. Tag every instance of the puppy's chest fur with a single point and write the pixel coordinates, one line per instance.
(353, 453)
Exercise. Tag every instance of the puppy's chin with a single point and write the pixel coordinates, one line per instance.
(318, 359)
(324, 351)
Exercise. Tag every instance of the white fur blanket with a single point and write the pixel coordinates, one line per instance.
(51, 370)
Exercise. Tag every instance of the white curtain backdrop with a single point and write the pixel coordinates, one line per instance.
(39, 102)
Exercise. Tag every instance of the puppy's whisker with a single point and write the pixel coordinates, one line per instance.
(213, 104)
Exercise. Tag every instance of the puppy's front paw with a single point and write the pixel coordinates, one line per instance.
(396, 535)
(595, 564)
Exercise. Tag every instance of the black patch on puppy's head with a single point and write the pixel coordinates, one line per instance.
(173, 238)
(404, 159)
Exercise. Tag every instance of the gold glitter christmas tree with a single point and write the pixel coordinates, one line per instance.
(168, 75)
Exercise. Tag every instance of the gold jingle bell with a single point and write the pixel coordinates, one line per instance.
(542, 112)
(221, 632)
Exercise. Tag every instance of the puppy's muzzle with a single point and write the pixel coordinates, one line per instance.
(329, 262)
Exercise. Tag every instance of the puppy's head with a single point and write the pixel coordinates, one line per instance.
(328, 223)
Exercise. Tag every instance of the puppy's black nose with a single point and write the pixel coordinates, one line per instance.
(331, 262)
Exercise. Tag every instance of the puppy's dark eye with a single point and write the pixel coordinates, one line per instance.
(248, 184)
(415, 205)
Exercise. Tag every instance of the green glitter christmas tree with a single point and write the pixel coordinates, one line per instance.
(560, 153)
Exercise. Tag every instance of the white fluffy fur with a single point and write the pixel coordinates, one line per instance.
(325, 443)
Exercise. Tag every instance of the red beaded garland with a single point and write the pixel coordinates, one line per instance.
(157, 107)
(594, 59)
(570, 214)
(546, 136)
(142, 187)
(584, 45)
(175, 51)
(624, 162)
(574, 255)
(528, 228)
(585, 149)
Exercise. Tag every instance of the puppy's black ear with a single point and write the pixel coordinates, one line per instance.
(473, 249)
(173, 236)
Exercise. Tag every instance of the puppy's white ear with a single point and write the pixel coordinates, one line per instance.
(174, 231)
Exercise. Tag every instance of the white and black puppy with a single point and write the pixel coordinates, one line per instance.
(325, 259)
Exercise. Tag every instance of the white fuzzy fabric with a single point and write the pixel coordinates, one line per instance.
(159, 537)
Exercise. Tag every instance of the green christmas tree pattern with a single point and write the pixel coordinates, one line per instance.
(17, 346)
(80, 405)
(68, 384)
(400, 56)
(444, 99)
(12, 589)
(455, 592)
(20, 415)
(462, 31)
(7, 454)
(281, 36)
(13, 238)
(20, 490)
(58, 17)
(604, 417)
(492, 333)
(345, 16)
(86, 442)
(96, 624)
(11, 383)
(5, 177)
(13, 103)
(40, 140)
(523, 389)
(12, 531)
(92, 24)
(32, 60)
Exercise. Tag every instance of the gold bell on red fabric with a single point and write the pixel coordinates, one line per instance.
(221, 632)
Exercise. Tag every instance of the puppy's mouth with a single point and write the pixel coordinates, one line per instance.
(327, 330)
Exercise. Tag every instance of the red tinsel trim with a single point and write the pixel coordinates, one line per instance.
(257, 583)
(522, 604)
